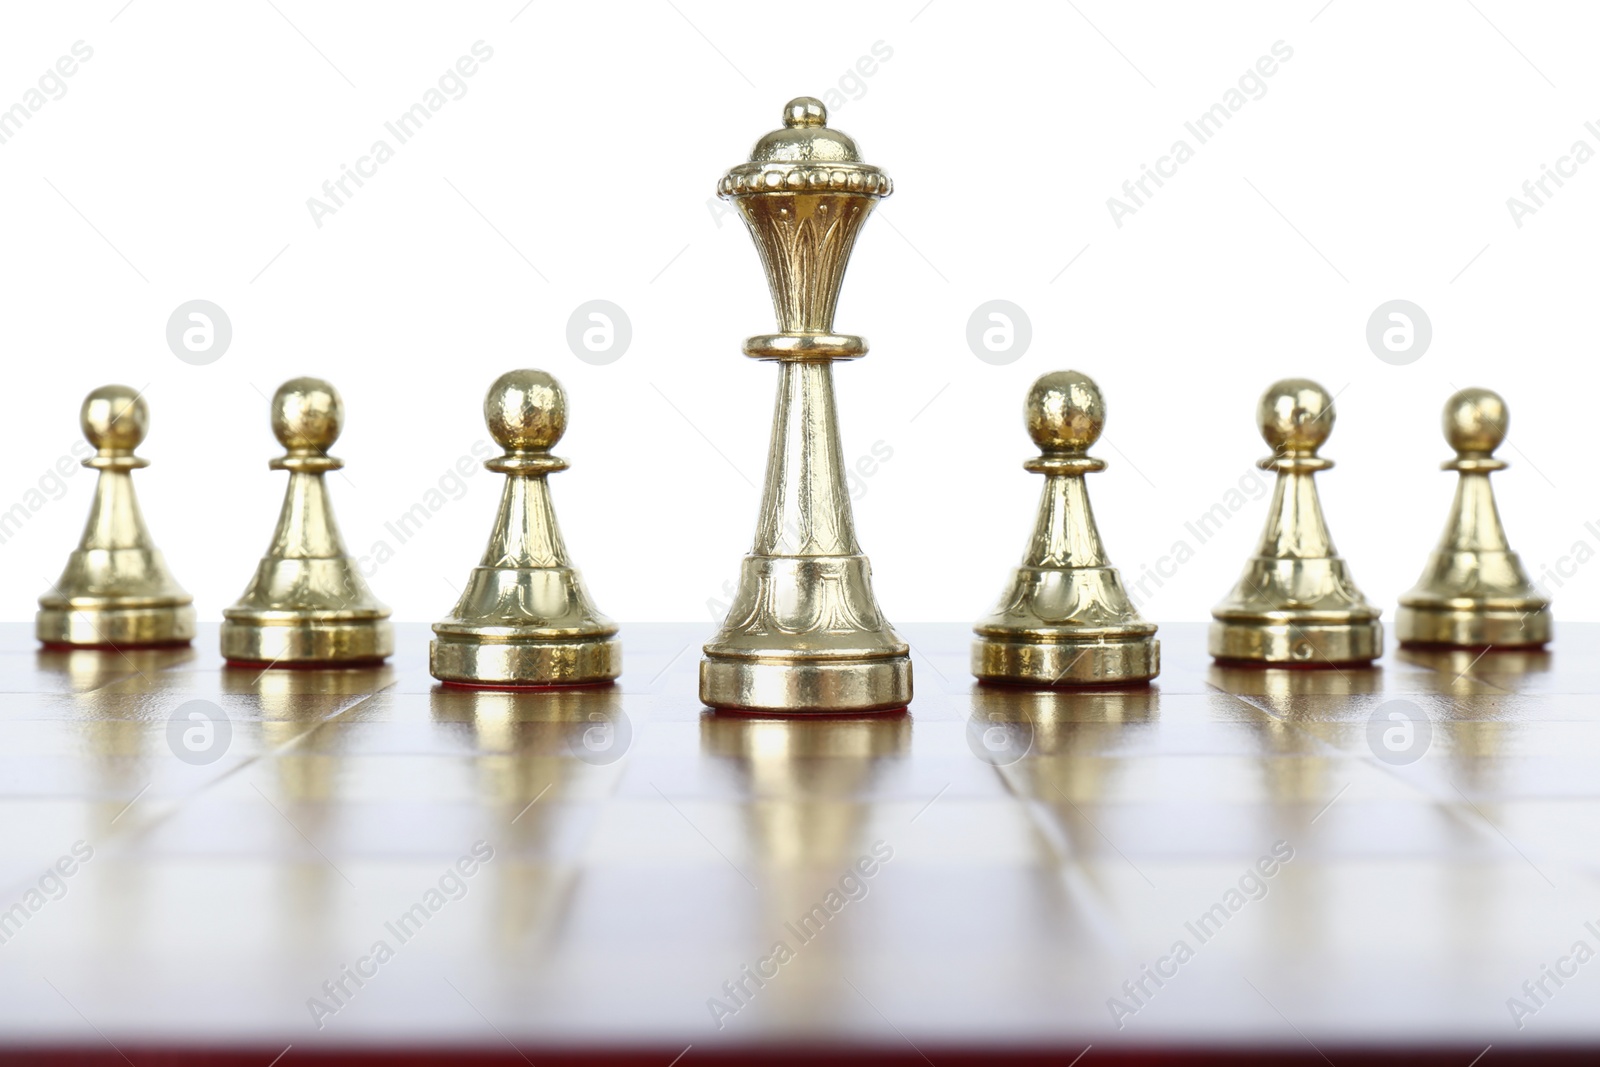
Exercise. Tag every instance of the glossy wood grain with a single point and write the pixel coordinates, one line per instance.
(981, 874)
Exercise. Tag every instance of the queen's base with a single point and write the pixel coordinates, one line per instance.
(806, 686)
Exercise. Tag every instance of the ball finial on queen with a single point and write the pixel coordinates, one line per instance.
(307, 415)
(526, 411)
(805, 111)
(1065, 413)
(1295, 416)
(1475, 421)
(114, 418)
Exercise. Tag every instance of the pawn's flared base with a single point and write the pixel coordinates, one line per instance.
(110, 626)
(1501, 628)
(307, 642)
(514, 664)
(1121, 660)
(1308, 644)
(806, 686)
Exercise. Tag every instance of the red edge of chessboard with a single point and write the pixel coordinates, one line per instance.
(696, 1055)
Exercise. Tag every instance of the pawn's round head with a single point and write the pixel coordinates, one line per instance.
(1065, 412)
(1296, 416)
(526, 411)
(307, 415)
(1475, 421)
(114, 418)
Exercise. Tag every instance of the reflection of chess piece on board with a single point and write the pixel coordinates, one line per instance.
(1511, 668)
(1065, 619)
(1295, 603)
(525, 618)
(297, 698)
(809, 786)
(544, 763)
(308, 720)
(84, 670)
(115, 591)
(307, 604)
(808, 780)
(1474, 592)
(544, 737)
(1297, 776)
(1286, 690)
(804, 632)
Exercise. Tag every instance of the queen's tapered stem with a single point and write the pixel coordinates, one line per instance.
(805, 507)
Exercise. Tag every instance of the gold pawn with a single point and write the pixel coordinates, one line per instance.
(1065, 619)
(1296, 602)
(525, 618)
(1473, 592)
(307, 604)
(115, 591)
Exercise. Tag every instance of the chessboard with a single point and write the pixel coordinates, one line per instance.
(208, 864)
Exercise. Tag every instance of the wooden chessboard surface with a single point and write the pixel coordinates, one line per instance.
(573, 876)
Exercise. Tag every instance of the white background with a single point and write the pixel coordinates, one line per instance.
(1376, 166)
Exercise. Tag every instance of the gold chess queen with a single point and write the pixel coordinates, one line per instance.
(804, 633)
